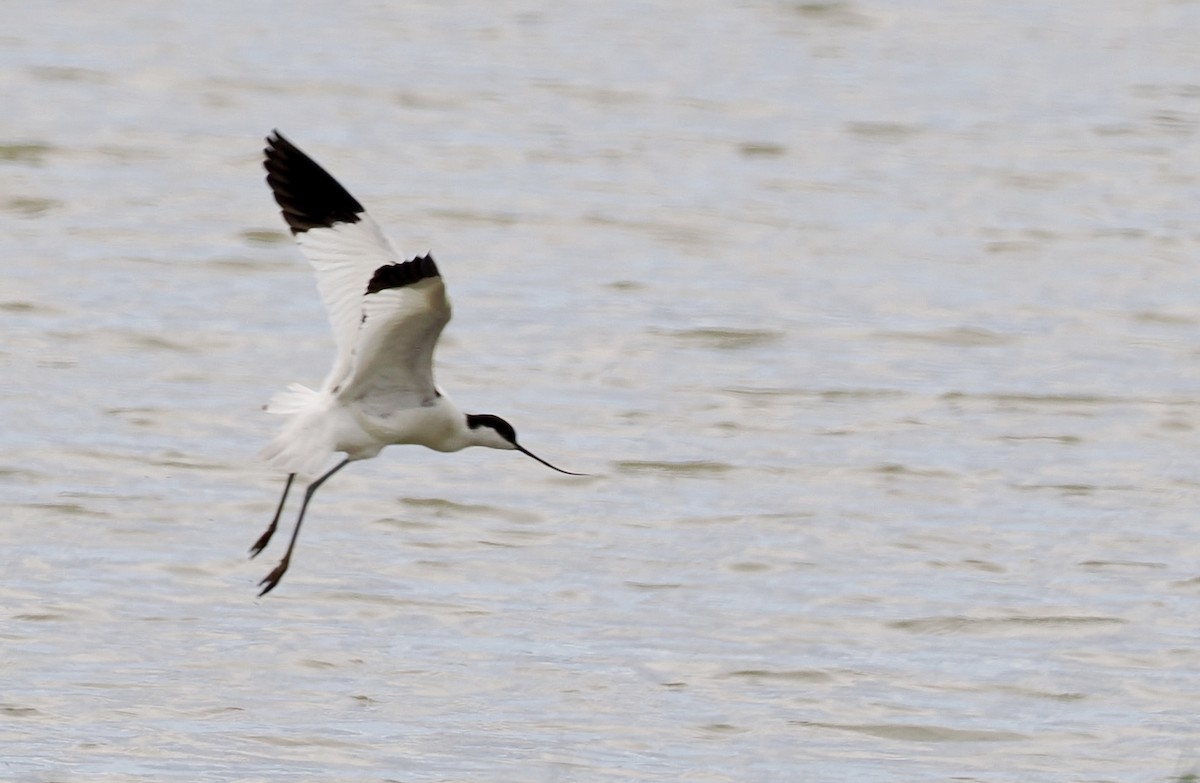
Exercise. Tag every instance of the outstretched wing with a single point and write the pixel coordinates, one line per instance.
(341, 241)
(403, 314)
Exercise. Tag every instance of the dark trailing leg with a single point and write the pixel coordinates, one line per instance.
(272, 579)
(265, 538)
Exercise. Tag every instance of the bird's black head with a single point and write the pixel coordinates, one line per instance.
(502, 427)
(485, 424)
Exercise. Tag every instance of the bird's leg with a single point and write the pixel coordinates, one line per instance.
(265, 538)
(272, 579)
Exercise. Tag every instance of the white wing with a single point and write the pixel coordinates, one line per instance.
(341, 241)
(403, 314)
(344, 256)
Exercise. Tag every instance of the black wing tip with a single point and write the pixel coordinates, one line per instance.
(391, 276)
(276, 139)
(308, 196)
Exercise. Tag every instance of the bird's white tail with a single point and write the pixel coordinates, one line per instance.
(306, 441)
(296, 398)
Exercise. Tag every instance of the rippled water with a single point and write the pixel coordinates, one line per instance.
(877, 323)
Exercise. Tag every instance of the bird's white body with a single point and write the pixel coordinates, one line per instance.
(387, 314)
(320, 425)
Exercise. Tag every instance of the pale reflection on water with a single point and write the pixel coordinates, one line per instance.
(877, 324)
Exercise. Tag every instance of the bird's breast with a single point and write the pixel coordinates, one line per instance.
(432, 426)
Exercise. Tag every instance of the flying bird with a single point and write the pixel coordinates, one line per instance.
(387, 314)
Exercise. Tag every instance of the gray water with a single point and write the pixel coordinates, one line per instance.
(876, 322)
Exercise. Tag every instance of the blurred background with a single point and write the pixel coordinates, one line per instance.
(876, 323)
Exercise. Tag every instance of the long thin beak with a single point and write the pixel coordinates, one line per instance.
(529, 453)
